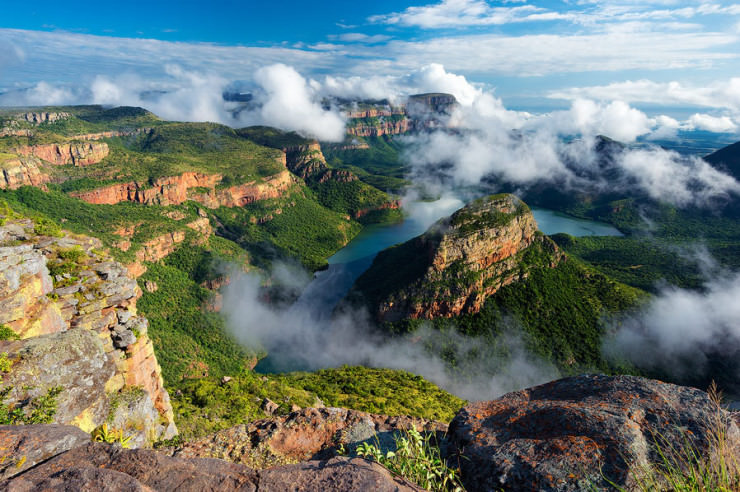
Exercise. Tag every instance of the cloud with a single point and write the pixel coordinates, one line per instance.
(458, 13)
(358, 37)
(721, 124)
(290, 105)
(299, 337)
(681, 331)
(720, 94)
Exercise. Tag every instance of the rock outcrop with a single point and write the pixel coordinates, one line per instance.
(310, 433)
(581, 433)
(22, 171)
(24, 446)
(77, 154)
(36, 118)
(97, 466)
(174, 190)
(457, 264)
(79, 332)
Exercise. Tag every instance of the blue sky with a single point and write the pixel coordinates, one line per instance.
(673, 57)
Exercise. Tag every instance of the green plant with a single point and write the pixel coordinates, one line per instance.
(5, 363)
(682, 467)
(111, 436)
(42, 409)
(7, 333)
(417, 459)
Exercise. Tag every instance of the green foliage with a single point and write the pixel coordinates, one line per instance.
(207, 405)
(188, 340)
(111, 436)
(417, 459)
(351, 197)
(5, 363)
(272, 137)
(7, 333)
(39, 410)
(379, 165)
(640, 262)
(304, 229)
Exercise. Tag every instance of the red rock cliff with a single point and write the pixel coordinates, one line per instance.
(78, 154)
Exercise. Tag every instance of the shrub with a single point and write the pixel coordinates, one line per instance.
(7, 333)
(111, 436)
(417, 459)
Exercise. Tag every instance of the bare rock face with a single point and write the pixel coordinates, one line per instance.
(23, 446)
(581, 433)
(457, 264)
(305, 160)
(77, 154)
(97, 466)
(36, 118)
(310, 433)
(22, 171)
(79, 332)
(174, 190)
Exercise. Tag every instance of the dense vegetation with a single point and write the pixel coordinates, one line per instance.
(378, 165)
(208, 404)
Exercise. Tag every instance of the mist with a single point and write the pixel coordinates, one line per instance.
(297, 337)
(680, 331)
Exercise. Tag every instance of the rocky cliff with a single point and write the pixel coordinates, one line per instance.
(21, 171)
(36, 118)
(457, 264)
(174, 190)
(74, 311)
(77, 154)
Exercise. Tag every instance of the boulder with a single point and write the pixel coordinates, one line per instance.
(581, 433)
(336, 474)
(23, 446)
(310, 433)
(98, 466)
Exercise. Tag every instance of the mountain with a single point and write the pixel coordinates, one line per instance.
(457, 264)
(727, 159)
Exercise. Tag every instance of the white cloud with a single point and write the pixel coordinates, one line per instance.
(680, 329)
(721, 94)
(290, 104)
(456, 13)
(721, 124)
(358, 37)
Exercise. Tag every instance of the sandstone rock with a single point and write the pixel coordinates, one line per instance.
(112, 468)
(336, 474)
(579, 433)
(36, 118)
(309, 433)
(457, 264)
(74, 360)
(22, 171)
(77, 154)
(23, 446)
(269, 407)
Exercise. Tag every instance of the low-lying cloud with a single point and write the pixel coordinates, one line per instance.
(300, 337)
(680, 330)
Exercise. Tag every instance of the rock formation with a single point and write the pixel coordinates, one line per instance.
(457, 264)
(310, 433)
(581, 433)
(174, 190)
(36, 118)
(79, 331)
(22, 171)
(420, 112)
(77, 154)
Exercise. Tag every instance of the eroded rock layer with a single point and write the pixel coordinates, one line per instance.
(75, 312)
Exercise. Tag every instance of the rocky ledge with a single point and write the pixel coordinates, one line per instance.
(77, 154)
(588, 432)
(458, 263)
(74, 312)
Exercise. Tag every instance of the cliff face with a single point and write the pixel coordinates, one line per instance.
(43, 117)
(78, 154)
(305, 160)
(457, 264)
(22, 171)
(377, 127)
(75, 312)
(174, 190)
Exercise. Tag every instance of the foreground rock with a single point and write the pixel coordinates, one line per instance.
(581, 433)
(310, 433)
(80, 337)
(23, 446)
(96, 466)
(457, 264)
